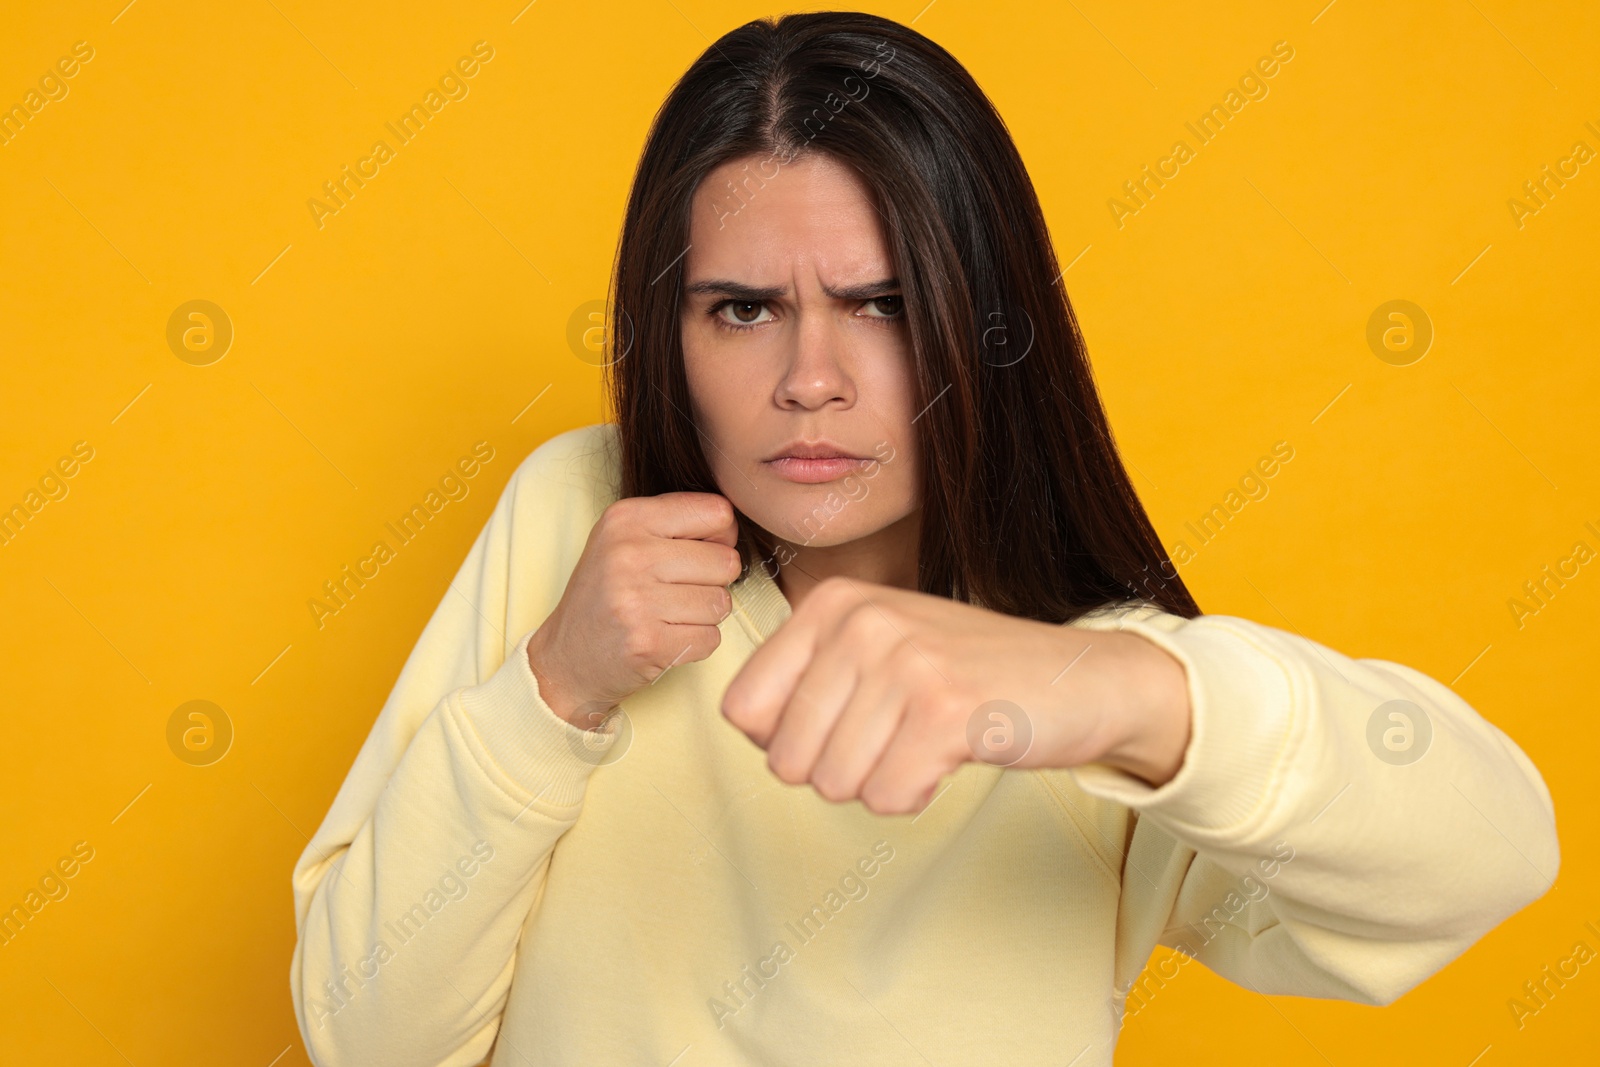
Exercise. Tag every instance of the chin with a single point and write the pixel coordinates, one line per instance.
(822, 520)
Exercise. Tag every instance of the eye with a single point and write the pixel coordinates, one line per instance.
(743, 314)
(888, 307)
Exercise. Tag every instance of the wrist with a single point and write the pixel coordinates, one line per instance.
(566, 705)
(1148, 725)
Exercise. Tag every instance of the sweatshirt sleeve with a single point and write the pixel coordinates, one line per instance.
(1339, 827)
(412, 895)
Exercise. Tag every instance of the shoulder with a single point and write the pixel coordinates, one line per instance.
(557, 492)
(576, 469)
(1126, 614)
(545, 515)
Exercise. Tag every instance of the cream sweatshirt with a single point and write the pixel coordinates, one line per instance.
(493, 883)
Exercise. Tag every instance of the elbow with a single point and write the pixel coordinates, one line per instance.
(1524, 868)
(1387, 975)
(317, 1003)
(327, 1042)
(1384, 969)
(1500, 886)
(308, 1013)
(321, 1050)
(1507, 853)
(1504, 889)
(346, 1021)
(1522, 883)
(1383, 994)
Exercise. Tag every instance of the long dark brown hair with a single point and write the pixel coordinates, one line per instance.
(1026, 506)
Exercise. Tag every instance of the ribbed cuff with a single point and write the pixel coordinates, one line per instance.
(1245, 720)
(537, 749)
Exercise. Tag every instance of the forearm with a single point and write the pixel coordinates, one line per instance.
(1149, 726)
(1399, 864)
(1123, 702)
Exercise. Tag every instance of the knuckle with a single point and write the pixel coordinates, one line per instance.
(944, 702)
(716, 509)
(877, 801)
(627, 607)
(639, 645)
(831, 787)
(780, 764)
(627, 558)
(906, 661)
(835, 588)
(736, 709)
(940, 713)
(701, 644)
(862, 625)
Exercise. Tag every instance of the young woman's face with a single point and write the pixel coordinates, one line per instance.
(795, 345)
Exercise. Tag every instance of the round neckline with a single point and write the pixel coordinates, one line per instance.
(759, 604)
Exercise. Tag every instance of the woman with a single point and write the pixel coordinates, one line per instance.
(860, 506)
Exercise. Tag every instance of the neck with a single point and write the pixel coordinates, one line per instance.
(886, 557)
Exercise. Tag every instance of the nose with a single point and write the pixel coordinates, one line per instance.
(816, 375)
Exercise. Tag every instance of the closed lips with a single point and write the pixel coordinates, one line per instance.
(820, 450)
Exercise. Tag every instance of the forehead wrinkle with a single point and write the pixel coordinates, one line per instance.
(796, 221)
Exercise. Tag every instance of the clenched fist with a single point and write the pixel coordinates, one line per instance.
(647, 593)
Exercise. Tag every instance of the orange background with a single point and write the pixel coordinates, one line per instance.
(432, 312)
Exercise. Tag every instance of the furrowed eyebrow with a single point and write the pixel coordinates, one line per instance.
(865, 290)
(736, 290)
(755, 294)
